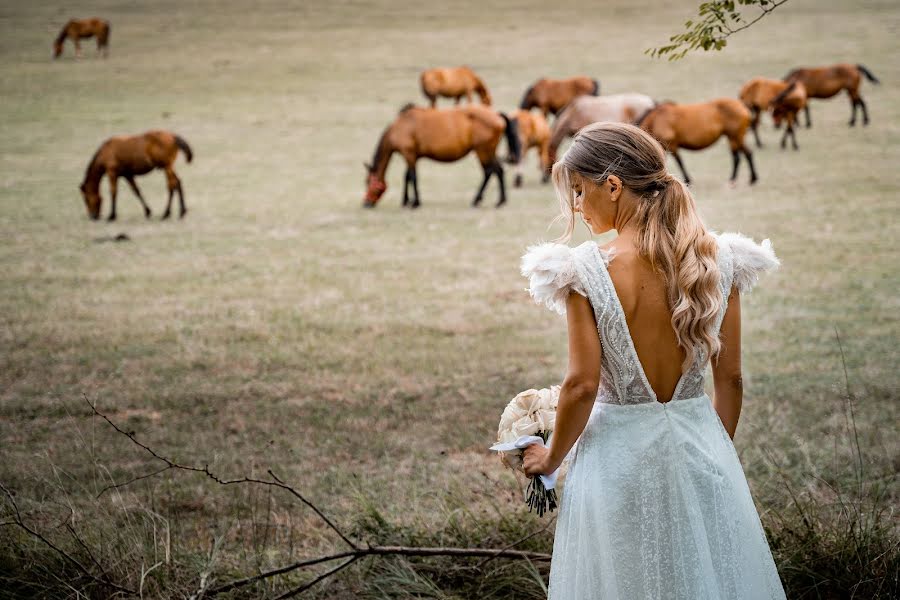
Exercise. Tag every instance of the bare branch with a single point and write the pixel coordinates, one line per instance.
(103, 580)
(205, 471)
(325, 575)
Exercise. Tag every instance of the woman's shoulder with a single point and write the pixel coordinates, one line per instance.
(554, 270)
(742, 260)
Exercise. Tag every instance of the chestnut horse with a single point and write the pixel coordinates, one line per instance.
(584, 110)
(130, 156)
(533, 133)
(445, 135)
(76, 29)
(760, 94)
(825, 82)
(698, 126)
(553, 95)
(454, 82)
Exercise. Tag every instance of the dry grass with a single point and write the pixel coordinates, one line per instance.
(281, 326)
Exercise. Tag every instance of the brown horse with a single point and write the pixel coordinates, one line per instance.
(584, 110)
(77, 29)
(533, 133)
(552, 95)
(444, 135)
(785, 108)
(760, 94)
(825, 82)
(454, 82)
(698, 126)
(130, 156)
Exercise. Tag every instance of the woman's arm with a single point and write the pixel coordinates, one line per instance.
(726, 366)
(578, 392)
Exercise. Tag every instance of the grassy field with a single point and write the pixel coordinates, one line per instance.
(369, 353)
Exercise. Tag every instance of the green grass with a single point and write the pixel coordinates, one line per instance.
(279, 325)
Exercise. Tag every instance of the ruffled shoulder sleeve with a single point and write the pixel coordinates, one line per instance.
(552, 275)
(748, 260)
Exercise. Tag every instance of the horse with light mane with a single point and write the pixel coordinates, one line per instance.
(761, 94)
(553, 95)
(130, 156)
(825, 82)
(78, 29)
(533, 133)
(698, 126)
(444, 135)
(584, 110)
(454, 82)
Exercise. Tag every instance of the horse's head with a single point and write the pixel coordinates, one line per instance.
(528, 101)
(375, 187)
(57, 49)
(91, 201)
(485, 96)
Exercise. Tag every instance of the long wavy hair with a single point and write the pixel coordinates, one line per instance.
(671, 234)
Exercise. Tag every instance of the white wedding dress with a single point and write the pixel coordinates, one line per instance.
(655, 504)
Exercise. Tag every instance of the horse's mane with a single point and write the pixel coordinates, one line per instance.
(784, 93)
(791, 74)
(379, 147)
(90, 167)
(62, 34)
(405, 108)
(525, 97)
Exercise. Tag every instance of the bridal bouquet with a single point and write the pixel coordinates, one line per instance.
(529, 418)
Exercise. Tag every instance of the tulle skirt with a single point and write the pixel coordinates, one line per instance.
(656, 506)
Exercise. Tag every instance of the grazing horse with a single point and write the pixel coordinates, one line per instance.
(533, 133)
(553, 95)
(454, 82)
(785, 108)
(825, 82)
(584, 110)
(760, 95)
(130, 156)
(444, 135)
(698, 126)
(77, 29)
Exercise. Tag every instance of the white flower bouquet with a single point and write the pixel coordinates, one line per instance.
(529, 418)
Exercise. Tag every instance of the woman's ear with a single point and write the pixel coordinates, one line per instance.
(615, 187)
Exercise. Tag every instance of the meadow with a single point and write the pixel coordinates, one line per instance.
(365, 355)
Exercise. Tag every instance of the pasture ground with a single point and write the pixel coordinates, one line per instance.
(369, 353)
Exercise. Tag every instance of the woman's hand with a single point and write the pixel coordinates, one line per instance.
(536, 461)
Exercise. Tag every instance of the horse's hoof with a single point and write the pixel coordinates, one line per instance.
(181, 214)
(517, 182)
(500, 204)
(415, 205)
(147, 214)
(111, 218)
(165, 216)
(476, 202)
(753, 180)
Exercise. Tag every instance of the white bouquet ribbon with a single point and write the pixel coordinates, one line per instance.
(520, 444)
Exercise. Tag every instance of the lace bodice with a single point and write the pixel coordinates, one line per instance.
(555, 270)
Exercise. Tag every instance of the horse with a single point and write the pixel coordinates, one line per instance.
(533, 133)
(760, 94)
(698, 126)
(553, 95)
(130, 156)
(584, 110)
(785, 107)
(445, 135)
(825, 82)
(76, 29)
(454, 82)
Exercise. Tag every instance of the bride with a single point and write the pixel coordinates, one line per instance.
(655, 505)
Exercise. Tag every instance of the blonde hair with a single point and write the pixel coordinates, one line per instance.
(671, 235)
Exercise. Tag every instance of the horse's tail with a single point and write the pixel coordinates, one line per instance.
(512, 138)
(596, 90)
(183, 146)
(868, 74)
(784, 94)
(643, 116)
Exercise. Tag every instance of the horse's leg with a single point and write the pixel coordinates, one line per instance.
(113, 178)
(545, 162)
(806, 112)
(415, 185)
(498, 171)
(407, 182)
(182, 209)
(754, 122)
(853, 103)
(171, 187)
(865, 112)
(749, 156)
(790, 127)
(687, 179)
(735, 163)
(77, 48)
(488, 170)
(137, 192)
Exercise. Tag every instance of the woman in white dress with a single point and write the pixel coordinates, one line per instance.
(656, 504)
